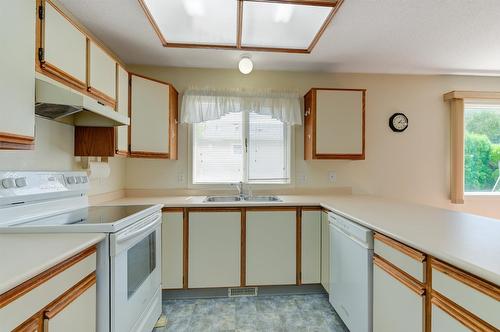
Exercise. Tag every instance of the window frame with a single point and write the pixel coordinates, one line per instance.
(289, 132)
(457, 101)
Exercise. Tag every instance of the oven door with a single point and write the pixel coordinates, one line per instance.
(135, 271)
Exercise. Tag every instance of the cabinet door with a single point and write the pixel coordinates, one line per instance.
(325, 251)
(172, 250)
(311, 247)
(334, 124)
(214, 249)
(101, 78)
(17, 78)
(122, 108)
(75, 312)
(150, 118)
(65, 47)
(271, 247)
(398, 303)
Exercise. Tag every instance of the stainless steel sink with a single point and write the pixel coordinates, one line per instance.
(262, 199)
(222, 199)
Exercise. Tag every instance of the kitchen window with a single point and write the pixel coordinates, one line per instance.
(241, 146)
(482, 147)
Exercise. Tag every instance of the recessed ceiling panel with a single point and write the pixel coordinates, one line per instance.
(203, 22)
(281, 25)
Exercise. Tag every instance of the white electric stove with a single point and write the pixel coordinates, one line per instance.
(129, 262)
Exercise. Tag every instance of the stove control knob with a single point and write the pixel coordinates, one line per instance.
(8, 183)
(21, 182)
(71, 179)
(84, 179)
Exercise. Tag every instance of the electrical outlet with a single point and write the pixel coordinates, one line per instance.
(180, 178)
(301, 178)
(332, 176)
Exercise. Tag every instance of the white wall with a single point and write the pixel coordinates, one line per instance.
(412, 166)
(54, 144)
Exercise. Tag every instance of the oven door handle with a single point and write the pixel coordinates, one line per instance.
(149, 226)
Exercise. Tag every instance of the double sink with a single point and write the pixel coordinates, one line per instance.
(235, 198)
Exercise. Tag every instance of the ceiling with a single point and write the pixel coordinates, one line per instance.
(366, 36)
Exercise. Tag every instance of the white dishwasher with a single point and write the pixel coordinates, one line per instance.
(351, 272)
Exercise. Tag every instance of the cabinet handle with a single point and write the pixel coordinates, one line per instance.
(308, 111)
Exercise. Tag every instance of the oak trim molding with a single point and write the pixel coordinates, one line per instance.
(334, 4)
(10, 141)
(460, 314)
(415, 254)
(43, 277)
(69, 296)
(478, 284)
(471, 95)
(399, 275)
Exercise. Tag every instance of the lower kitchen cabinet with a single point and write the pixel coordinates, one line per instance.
(325, 251)
(214, 248)
(271, 247)
(172, 249)
(398, 301)
(311, 246)
(75, 311)
(442, 321)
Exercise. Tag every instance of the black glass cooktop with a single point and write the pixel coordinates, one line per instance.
(90, 215)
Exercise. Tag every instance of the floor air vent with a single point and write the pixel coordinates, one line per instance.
(244, 291)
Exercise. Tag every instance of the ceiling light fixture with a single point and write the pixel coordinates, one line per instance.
(194, 8)
(283, 13)
(245, 65)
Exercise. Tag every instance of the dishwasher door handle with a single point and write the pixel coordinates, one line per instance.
(362, 244)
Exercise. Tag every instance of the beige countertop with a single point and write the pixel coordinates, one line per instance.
(467, 241)
(23, 256)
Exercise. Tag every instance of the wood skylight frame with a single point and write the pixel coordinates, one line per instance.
(333, 4)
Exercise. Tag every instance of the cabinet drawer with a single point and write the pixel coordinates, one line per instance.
(474, 295)
(33, 295)
(398, 302)
(405, 258)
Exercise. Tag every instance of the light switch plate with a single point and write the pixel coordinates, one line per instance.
(332, 176)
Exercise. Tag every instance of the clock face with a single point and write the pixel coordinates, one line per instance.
(398, 122)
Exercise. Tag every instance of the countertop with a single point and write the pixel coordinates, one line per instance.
(467, 241)
(23, 256)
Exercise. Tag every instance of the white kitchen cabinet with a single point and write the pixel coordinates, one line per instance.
(63, 47)
(442, 321)
(271, 247)
(172, 250)
(311, 246)
(154, 118)
(334, 124)
(17, 77)
(214, 248)
(74, 312)
(325, 251)
(64, 294)
(398, 302)
(122, 88)
(101, 80)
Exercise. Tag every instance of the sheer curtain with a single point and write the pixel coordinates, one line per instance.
(200, 105)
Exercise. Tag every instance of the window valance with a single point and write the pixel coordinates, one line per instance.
(200, 105)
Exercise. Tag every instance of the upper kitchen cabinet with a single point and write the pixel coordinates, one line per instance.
(61, 46)
(17, 124)
(122, 93)
(334, 124)
(153, 118)
(101, 78)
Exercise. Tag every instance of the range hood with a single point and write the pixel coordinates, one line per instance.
(56, 101)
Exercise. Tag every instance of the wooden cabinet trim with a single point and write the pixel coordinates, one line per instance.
(151, 155)
(172, 209)
(460, 314)
(36, 281)
(16, 142)
(271, 208)
(185, 251)
(243, 248)
(415, 254)
(69, 296)
(62, 75)
(311, 208)
(298, 246)
(173, 122)
(33, 324)
(400, 275)
(478, 284)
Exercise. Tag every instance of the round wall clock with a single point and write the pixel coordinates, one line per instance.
(398, 122)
